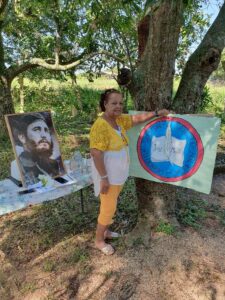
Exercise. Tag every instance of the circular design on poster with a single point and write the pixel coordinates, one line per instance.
(170, 149)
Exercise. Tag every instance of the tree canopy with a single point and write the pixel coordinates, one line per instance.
(63, 35)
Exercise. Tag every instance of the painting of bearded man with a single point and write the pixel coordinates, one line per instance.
(35, 145)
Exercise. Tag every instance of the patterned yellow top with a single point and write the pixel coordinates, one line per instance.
(103, 137)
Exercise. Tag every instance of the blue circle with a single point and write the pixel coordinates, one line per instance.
(165, 168)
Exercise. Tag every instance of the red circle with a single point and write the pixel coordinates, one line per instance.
(194, 133)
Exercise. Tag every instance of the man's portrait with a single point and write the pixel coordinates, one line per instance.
(35, 144)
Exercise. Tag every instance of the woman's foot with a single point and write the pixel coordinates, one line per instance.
(111, 235)
(105, 248)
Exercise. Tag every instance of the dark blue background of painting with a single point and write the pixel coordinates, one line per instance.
(166, 169)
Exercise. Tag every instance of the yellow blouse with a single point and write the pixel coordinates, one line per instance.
(104, 137)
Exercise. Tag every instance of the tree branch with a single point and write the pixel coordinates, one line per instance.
(39, 62)
(200, 66)
(127, 49)
(12, 72)
(57, 33)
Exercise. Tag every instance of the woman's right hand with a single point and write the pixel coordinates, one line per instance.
(104, 186)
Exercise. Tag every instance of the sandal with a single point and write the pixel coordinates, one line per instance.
(112, 235)
(107, 250)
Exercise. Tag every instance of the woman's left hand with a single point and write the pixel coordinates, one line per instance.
(163, 112)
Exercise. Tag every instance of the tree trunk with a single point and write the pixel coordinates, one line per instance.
(200, 66)
(158, 199)
(156, 70)
(6, 103)
(152, 88)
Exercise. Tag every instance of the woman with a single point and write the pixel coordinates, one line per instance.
(109, 150)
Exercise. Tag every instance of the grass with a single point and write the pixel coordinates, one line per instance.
(99, 83)
(28, 287)
(38, 230)
(165, 227)
(138, 242)
(78, 255)
(49, 265)
(35, 232)
(192, 212)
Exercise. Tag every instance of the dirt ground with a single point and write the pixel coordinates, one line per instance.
(188, 265)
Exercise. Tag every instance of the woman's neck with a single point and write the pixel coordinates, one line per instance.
(109, 117)
(111, 120)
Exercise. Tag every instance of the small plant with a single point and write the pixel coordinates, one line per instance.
(49, 266)
(28, 287)
(192, 213)
(137, 242)
(109, 274)
(85, 269)
(165, 227)
(78, 255)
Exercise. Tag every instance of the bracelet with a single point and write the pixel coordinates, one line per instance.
(103, 177)
(156, 113)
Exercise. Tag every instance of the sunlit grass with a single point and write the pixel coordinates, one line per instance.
(100, 83)
(218, 95)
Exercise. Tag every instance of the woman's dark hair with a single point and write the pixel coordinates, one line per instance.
(104, 97)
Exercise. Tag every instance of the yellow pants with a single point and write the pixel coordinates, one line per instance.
(108, 204)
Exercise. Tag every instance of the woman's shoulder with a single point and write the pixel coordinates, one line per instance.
(99, 123)
(99, 120)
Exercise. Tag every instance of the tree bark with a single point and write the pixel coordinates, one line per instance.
(200, 66)
(154, 78)
(158, 200)
(155, 72)
(6, 103)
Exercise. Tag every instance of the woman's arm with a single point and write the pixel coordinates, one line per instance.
(98, 157)
(143, 117)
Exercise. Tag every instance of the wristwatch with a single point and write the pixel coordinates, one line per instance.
(156, 113)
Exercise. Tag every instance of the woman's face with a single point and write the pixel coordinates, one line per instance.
(114, 105)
